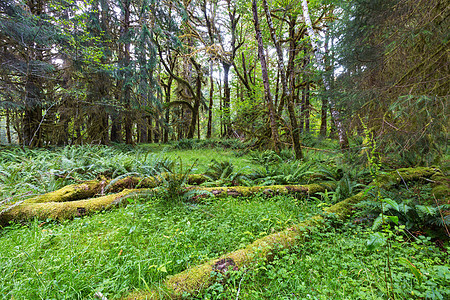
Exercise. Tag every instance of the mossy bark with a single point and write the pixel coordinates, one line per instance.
(71, 192)
(92, 188)
(51, 205)
(64, 210)
(195, 279)
(237, 191)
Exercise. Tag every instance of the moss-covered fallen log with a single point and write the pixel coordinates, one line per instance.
(237, 191)
(42, 207)
(64, 210)
(195, 279)
(92, 188)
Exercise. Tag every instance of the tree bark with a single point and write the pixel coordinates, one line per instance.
(287, 91)
(226, 100)
(8, 129)
(211, 100)
(267, 93)
(343, 140)
(126, 86)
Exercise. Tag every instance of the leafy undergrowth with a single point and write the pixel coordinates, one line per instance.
(133, 247)
(336, 264)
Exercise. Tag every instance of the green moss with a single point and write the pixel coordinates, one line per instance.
(63, 210)
(441, 192)
(71, 192)
(236, 191)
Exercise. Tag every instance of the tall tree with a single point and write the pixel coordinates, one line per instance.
(288, 91)
(265, 76)
(343, 140)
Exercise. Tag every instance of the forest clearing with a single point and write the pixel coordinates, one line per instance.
(219, 149)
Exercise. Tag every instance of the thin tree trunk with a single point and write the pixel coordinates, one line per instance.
(307, 107)
(287, 91)
(128, 122)
(343, 140)
(277, 92)
(324, 108)
(8, 129)
(226, 100)
(220, 102)
(265, 76)
(211, 100)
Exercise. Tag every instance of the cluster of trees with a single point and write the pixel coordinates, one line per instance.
(100, 71)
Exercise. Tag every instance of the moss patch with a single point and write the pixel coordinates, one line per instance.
(64, 210)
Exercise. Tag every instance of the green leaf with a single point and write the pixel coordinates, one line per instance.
(376, 240)
(393, 219)
(392, 203)
(367, 190)
(403, 208)
(377, 223)
(412, 268)
(424, 210)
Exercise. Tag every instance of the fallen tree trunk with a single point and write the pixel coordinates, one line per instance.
(195, 279)
(60, 210)
(95, 187)
(64, 210)
(237, 191)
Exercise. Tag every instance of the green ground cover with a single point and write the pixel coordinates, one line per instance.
(136, 247)
(133, 247)
(336, 264)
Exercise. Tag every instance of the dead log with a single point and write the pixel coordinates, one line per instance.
(64, 210)
(195, 279)
(42, 207)
(92, 188)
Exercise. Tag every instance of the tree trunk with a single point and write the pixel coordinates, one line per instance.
(295, 134)
(288, 95)
(143, 131)
(8, 129)
(343, 140)
(116, 127)
(226, 100)
(197, 98)
(307, 107)
(126, 86)
(211, 100)
(265, 76)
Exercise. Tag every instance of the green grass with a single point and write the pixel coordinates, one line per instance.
(336, 264)
(133, 247)
(138, 246)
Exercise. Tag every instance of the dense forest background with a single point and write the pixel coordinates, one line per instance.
(277, 73)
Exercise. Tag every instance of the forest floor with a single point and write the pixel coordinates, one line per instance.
(137, 247)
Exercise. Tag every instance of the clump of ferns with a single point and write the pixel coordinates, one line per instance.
(407, 212)
(223, 174)
(264, 158)
(293, 172)
(349, 181)
(172, 188)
